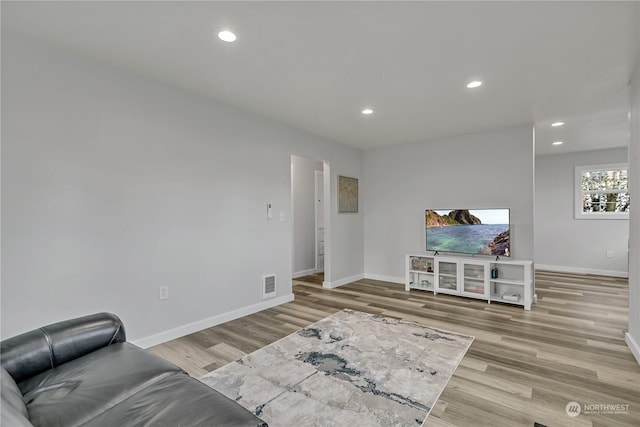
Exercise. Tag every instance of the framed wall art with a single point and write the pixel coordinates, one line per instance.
(347, 194)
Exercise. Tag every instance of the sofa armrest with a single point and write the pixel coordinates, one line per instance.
(31, 353)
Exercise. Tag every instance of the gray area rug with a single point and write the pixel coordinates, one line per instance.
(348, 369)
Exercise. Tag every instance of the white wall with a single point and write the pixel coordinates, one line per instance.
(633, 336)
(579, 245)
(492, 169)
(113, 185)
(304, 214)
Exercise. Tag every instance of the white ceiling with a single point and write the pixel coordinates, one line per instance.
(315, 65)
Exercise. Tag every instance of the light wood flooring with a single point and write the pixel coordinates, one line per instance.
(523, 367)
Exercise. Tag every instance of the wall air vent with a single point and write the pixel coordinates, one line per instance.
(268, 286)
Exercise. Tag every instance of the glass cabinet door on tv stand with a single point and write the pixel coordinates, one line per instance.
(474, 278)
(447, 279)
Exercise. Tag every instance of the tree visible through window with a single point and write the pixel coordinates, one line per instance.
(602, 191)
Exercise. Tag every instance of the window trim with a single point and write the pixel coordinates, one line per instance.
(578, 213)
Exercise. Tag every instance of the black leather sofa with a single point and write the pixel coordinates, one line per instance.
(83, 372)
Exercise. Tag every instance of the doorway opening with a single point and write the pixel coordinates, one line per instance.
(310, 191)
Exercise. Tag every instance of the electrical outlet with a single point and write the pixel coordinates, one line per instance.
(609, 253)
(163, 292)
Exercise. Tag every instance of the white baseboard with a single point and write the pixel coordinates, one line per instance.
(578, 270)
(303, 273)
(633, 346)
(341, 282)
(211, 321)
(392, 279)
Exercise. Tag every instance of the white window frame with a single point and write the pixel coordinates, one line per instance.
(579, 214)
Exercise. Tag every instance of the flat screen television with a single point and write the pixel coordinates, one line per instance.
(469, 231)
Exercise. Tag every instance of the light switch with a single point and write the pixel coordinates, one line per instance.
(281, 216)
(269, 211)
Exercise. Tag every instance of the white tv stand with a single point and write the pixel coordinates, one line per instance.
(472, 278)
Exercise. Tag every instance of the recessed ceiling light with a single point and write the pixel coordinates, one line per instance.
(474, 84)
(227, 36)
(367, 111)
(557, 143)
(556, 124)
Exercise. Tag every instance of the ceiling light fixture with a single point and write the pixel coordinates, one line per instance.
(556, 124)
(227, 36)
(474, 84)
(557, 143)
(367, 111)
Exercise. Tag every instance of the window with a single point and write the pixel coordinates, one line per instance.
(602, 192)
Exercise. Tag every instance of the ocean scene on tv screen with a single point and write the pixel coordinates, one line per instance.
(479, 231)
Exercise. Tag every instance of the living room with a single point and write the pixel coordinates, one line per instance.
(117, 181)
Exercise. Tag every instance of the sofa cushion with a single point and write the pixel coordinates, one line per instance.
(14, 412)
(36, 351)
(11, 417)
(11, 394)
(178, 400)
(77, 391)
